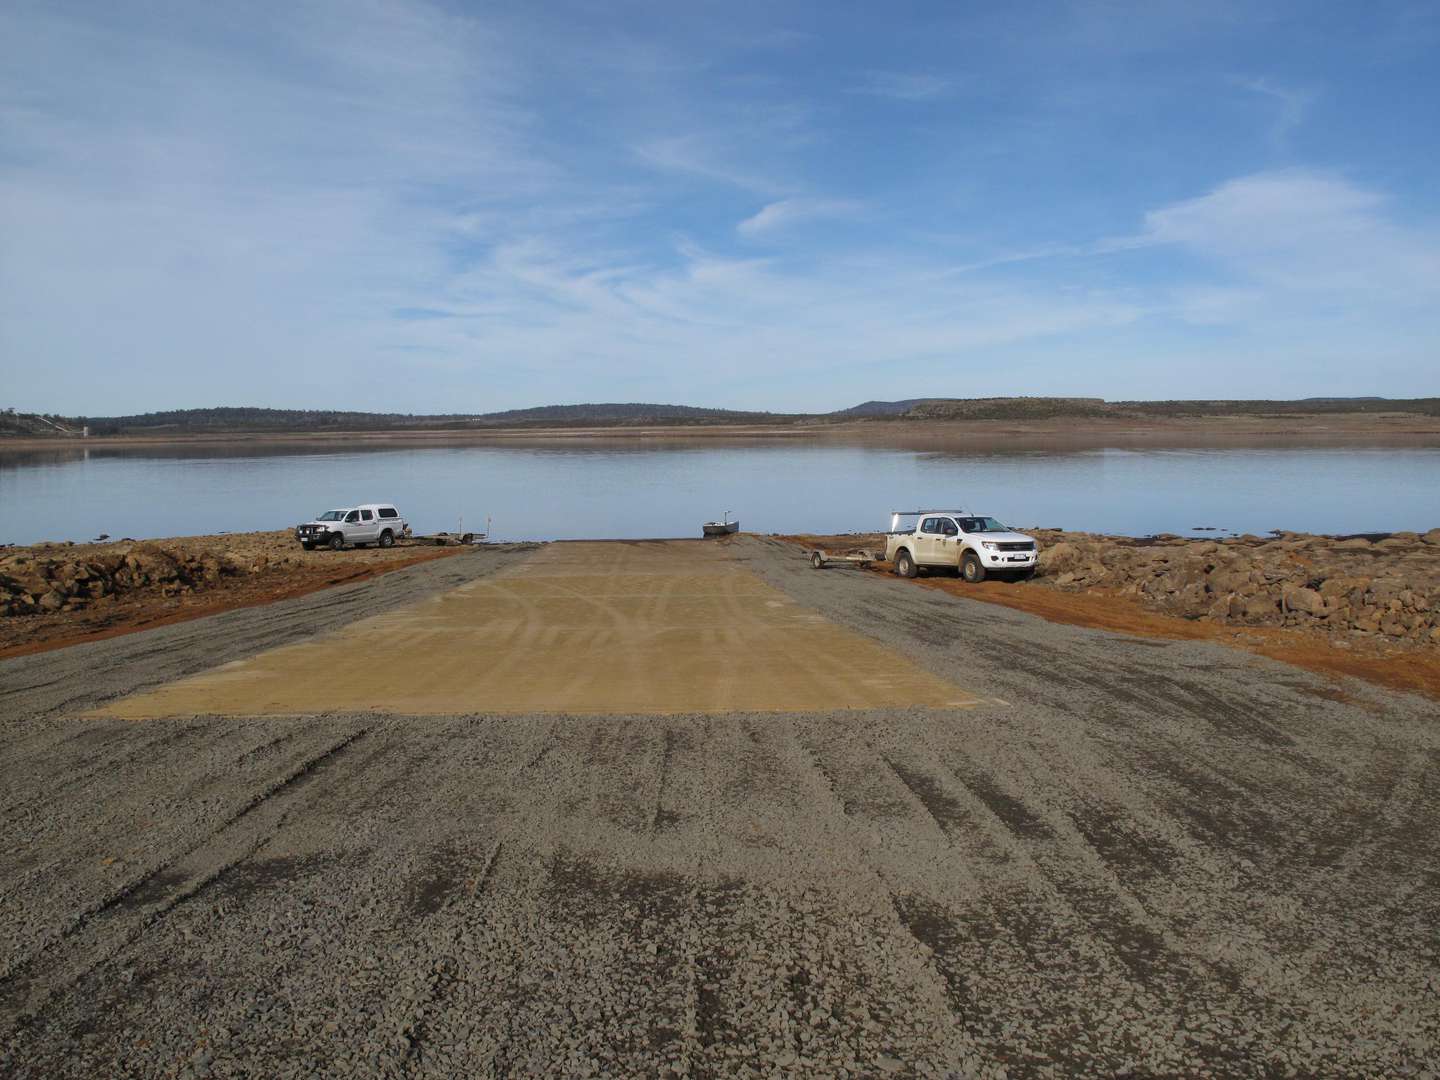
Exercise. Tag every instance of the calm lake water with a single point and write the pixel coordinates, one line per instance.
(628, 489)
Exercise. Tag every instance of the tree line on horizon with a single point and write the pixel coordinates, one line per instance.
(235, 419)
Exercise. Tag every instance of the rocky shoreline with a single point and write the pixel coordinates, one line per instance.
(58, 577)
(56, 593)
(1382, 586)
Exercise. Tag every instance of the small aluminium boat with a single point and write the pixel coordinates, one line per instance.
(722, 527)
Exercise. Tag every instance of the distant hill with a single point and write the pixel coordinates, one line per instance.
(881, 408)
(1045, 408)
(241, 420)
(623, 413)
(1304, 406)
(1017, 408)
(232, 419)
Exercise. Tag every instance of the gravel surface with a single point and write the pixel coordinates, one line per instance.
(1134, 858)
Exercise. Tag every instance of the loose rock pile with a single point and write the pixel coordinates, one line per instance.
(1388, 587)
(60, 577)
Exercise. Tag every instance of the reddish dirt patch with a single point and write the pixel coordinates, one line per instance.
(27, 635)
(1413, 670)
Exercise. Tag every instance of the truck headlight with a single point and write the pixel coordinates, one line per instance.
(987, 545)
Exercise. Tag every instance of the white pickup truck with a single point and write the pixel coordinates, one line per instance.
(369, 523)
(978, 547)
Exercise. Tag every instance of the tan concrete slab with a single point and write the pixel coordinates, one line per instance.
(644, 627)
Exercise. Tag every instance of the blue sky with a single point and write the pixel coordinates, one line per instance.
(426, 207)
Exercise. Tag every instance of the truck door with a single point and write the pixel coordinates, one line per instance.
(369, 527)
(351, 527)
(947, 545)
(927, 542)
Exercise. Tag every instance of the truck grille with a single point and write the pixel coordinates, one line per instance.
(1018, 546)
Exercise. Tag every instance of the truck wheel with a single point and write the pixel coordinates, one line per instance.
(387, 539)
(337, 542)
(817, 560)
(970, 568)
(905, 565)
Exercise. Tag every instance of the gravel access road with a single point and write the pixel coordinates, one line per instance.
(1126, 858)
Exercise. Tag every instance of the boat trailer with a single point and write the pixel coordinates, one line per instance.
(859, 559)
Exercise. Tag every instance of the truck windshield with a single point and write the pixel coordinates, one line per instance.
(332, 515)
(981, 525)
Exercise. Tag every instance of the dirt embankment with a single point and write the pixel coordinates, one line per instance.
(56, 594)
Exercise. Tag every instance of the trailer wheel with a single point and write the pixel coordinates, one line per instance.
(905, 565)
(971, 570)
(817, 560)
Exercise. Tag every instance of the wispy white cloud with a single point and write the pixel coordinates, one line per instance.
(752, 146)
(787, 212)
(1304, 231)
(706, 157)
(902, 85)
(1290, 106)
(704, 320)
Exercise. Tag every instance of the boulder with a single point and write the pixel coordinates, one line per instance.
(1432, 538)
(1058, 556)
(1225, 581)
(1353, 544)
(1307, 600)
(1260, 606)
(1343, 586)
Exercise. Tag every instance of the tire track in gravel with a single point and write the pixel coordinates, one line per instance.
(103, 929)
(123, 821)
(119, 819)
(453, 910)
(997, 923)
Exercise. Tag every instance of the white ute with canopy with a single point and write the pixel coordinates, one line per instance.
(976, 546)
(368, 523)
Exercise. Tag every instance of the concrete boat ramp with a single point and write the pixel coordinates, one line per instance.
(611, 627)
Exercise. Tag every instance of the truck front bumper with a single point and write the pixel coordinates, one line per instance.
(1017, 560)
